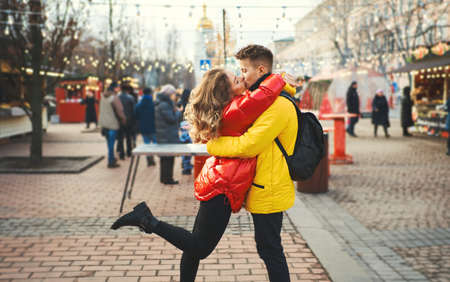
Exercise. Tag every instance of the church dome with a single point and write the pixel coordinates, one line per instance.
(205, 22)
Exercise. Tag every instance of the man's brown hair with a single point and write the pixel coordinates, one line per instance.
(256, 54)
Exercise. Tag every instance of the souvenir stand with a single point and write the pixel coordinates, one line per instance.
(13, 118)
(430, 91)
(69, 95)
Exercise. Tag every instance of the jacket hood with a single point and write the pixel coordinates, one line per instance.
(163, 98)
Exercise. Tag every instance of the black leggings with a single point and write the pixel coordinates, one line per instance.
(210, 224)
(448, 142)
(375, 129)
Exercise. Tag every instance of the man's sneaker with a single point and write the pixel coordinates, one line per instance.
(113, 165)
(171, 182)
(186, 172)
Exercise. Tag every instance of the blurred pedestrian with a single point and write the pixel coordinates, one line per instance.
(110, 118)
(134, 126)
(145, 118)
(91, 112)
(353, 107)
(186, 164)
(406, 113)
(167, 118)
(184, 100)
(380, 113)
(125, 131)
(446, 107)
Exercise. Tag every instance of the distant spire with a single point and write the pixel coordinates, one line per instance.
(204, 22)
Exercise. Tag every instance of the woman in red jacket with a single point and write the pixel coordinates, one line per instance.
(223, 182)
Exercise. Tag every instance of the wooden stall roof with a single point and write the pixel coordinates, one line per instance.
(424, 64)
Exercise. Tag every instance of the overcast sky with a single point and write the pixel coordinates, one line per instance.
(257, 24)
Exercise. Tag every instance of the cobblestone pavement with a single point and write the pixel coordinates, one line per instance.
(391, 208)
(55, 227)
(24, 227)
(429, 260)
(130, 257)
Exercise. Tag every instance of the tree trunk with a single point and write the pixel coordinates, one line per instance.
(35, 86)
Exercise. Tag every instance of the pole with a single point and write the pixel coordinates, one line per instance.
(224, 38)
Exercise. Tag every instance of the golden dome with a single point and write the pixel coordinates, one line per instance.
(204, 22)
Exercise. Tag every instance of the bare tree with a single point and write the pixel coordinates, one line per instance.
(396, 28)
(336, 14)
(40, 41)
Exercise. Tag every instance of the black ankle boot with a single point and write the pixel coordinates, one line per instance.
(141, 217)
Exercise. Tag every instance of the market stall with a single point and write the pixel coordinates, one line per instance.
(69, 95)
(430, 90)
(13, 118)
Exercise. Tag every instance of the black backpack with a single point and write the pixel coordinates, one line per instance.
(309, 147)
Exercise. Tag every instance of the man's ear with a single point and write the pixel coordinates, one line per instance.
(262, 69)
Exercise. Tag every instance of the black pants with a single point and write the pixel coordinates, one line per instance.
(448, 144)
(351, 126)
(124, 132)
(385, 128)
(210, 224)
(268, 244)
(405, 131)
(166, 169)
(88, 123)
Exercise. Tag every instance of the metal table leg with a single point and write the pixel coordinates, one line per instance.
(134, 176)
(126, 183)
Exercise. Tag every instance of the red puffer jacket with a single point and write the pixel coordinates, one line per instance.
(234, 176)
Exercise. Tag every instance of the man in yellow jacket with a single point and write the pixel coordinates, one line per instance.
(272, 191)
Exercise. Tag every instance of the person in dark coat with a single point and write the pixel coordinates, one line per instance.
(353, 107)
(167, 119)
(145, 118)
(446, 107)
(125, 131)
(134, 128)
(184, 100)
(406, 113)
(380, 113)
(447, 125)
(91, 113)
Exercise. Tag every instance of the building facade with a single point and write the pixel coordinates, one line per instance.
(380, 34)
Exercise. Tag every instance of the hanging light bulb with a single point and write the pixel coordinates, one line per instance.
(6, 31)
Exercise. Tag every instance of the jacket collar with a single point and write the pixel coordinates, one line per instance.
(258, 82)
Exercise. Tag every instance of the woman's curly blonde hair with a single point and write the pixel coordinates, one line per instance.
(206, 103)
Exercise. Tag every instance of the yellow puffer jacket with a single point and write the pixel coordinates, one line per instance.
(272, 189)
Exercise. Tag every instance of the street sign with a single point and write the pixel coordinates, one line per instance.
(205, 65)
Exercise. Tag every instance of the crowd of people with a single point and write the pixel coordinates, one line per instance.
(124, 115)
